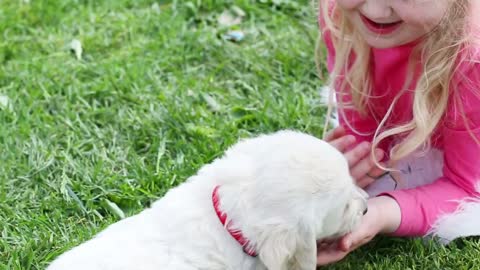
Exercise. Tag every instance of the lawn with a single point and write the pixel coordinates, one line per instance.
(156, 93)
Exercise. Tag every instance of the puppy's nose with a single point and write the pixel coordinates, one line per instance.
(365, 211)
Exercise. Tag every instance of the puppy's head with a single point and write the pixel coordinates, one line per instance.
(346, 216)
(296, 189)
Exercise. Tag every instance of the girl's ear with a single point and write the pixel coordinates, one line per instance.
(293, 248)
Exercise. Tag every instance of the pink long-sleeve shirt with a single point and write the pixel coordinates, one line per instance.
(421, 206)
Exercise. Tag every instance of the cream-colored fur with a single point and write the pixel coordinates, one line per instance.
(284, 191)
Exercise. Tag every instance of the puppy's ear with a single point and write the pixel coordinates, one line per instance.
(289, 249)
(305, 256)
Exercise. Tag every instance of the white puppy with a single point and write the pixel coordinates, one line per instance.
(277, 194)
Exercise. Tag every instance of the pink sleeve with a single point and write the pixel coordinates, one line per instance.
(422, 206)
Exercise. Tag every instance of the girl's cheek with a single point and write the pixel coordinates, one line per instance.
(425, 22)
(349, 4)
(418, 15)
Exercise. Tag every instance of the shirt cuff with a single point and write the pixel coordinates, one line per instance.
(420, 207)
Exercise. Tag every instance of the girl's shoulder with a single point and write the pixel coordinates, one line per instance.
(464, 101)
(467, 70)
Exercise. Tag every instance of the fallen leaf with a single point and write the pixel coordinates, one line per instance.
(156, 8)
(76, 47)
(235, 35)
(5, 102)
(228, 19)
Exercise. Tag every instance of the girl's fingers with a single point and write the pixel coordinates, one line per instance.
(365, 182)
(365, 165)
(335, 134)
(327, 241)
(330, 255)
(362, 167)
(358, 153)
(373, 175)
(354, 240)
(343, 143)
(377, 172)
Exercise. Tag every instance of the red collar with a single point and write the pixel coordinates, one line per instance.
(236, 234)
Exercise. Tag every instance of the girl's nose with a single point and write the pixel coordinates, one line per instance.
(377, 10)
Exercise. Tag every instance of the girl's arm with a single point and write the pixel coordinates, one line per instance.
(422, 206)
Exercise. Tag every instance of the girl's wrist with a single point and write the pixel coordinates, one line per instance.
(389, 213)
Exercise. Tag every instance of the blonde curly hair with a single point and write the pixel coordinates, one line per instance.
(440, 52)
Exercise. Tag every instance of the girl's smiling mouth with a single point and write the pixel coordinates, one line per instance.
(380, 28)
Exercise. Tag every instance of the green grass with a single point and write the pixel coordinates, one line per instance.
(157, 94)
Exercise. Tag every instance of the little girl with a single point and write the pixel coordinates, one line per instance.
(406, 74)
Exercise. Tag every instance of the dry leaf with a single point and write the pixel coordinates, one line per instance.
(5, 102)
(228, 19)
(156, 8)
(76, 47)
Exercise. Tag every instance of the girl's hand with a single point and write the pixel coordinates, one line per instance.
(362, 166)
(383, 216)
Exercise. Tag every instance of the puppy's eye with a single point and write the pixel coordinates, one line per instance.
(365, 211)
